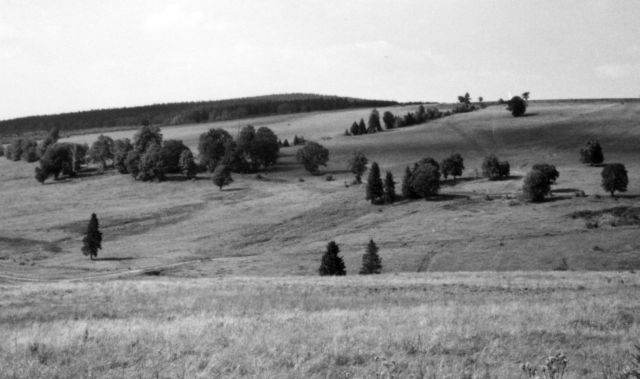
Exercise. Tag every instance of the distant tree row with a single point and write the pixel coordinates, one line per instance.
(185, 113)
(333, 265)
(391, 121)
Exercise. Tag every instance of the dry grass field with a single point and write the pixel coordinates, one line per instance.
(426, 325)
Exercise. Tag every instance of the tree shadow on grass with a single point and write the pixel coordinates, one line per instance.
(565, 190)
(448, 197)
(621, 196)
(530, 114)
(234, 189)
(452, 182)
(551, 199)
(114, 259)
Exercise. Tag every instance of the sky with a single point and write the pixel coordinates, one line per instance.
(63, 56)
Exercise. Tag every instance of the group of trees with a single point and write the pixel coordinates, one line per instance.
(377, 191)
(423, 180)
(391, 121)
(29, 150)
(333, 265)
(537, 183)
(495, 169)
(614, 175)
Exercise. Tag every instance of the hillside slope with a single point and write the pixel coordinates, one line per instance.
(280, 225)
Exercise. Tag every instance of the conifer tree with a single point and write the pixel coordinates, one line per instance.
(389, 188)
(92, 240)
(362, 128)
(371, 262)
(375, 188)
(332, 264)
(374, 122)
(406, 184)
(222, 176)
(355, 129)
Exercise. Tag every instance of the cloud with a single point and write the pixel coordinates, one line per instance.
(173, 17)
(617, 71)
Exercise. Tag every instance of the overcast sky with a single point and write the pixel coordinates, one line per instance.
(59, 56)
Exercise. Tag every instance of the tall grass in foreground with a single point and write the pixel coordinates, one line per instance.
(436, 325)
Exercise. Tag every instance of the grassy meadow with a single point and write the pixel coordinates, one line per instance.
(421, 325)
(197, 282)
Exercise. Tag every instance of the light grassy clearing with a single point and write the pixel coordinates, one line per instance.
(280, 225)
(432, 325)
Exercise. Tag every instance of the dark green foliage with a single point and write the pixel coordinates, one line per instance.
(1, 150)
(375, 188)
(132, 163)
(313, 155)
(374, 122)
(453, 165)
(151, 165)
(234, 158)
(517, 106)
(121, 147)
(331, 263)
(425, 178)
(170, 153)
(371, 262)
(222, 176)
(591, 153)
(358, 165)
(92, 241)
(494, 169)
(421, 115)
(146, 136)
(614, 178)
(29, 151)
(362, 128)
(211, 147)
(389, 188)
(14, 150)
(407, 193)
(548, 170)
(60, 159)
(525, 96)
(536, 186)
(355, 129)
(102, 150)
(264, 150)
(187, 165)
(298, 141)
(189, 112)
(389, 120)
(52, 137)
(285, 143)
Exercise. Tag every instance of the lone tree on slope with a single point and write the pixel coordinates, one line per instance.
(313, 155)
(332, 264)
(371, 262)
(375, 189)
(614, 178)
(591, 153)
(517, 106)
(222, 176)
(389, 188)
(358, 165)
(536, 186)
(92, 240)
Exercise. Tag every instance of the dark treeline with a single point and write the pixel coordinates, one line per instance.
(186, 112)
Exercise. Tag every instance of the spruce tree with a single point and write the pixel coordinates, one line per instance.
(371, 262)
(375, 188)
(406, 184)
(222, 176)
(355, 129)
(92, 240)
(362, 128)
(332, 264)
(389, 188)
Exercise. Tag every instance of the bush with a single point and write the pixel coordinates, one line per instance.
(358, 165)
(494, 169)
(591, 153)
(548, 170)
(313, 155)
(331, 263)
(453, 165)
(222, 176)
(375, 189)
(425, 178)
(14, 150)
(121, 147)
(517, 106)
(170, 153)
(29, 151)
(101, 150)
(536, 186)
(212, 147)
(371, 262)
(187, 164)
(151, 165)
(614, 178)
